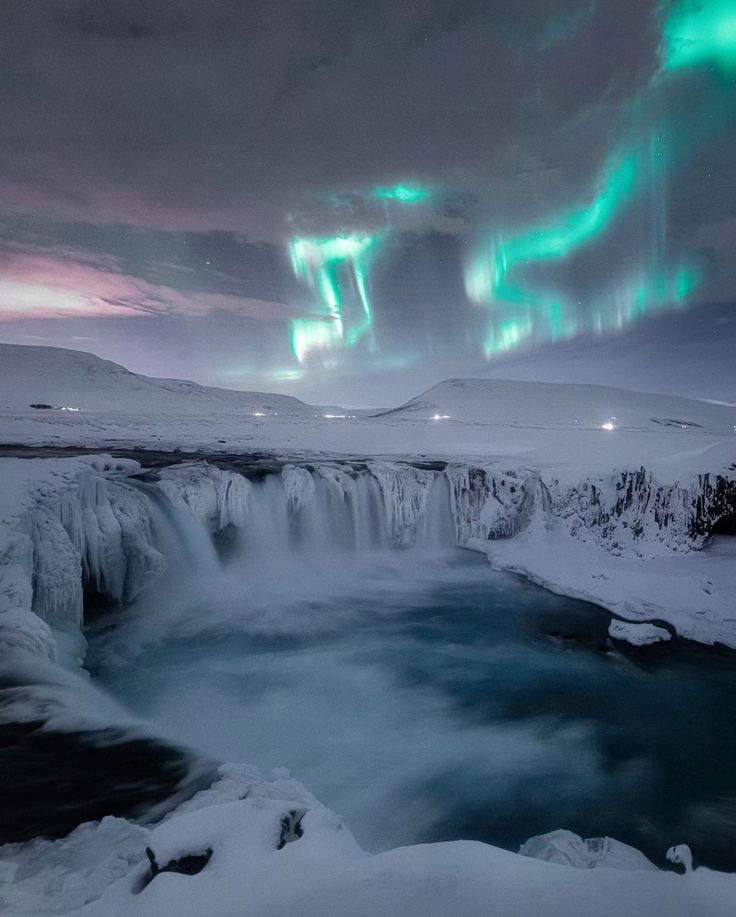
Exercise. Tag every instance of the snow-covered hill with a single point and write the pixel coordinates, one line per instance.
(551, 404)
(73, 379)
(578, 430)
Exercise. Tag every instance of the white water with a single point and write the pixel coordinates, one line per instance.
(331, 511)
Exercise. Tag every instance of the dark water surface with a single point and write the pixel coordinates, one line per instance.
(428, 698)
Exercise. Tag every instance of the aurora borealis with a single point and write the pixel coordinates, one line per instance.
(323, 198)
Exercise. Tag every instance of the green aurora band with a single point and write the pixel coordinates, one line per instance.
(336, 269)
(700, 32)
(403, 194)
(695, 34)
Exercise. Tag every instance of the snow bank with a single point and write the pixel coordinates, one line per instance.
(267, 847)
(236, 850)
(638, 634)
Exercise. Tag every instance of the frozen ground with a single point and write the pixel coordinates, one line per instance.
(576, 430)
(695, 593)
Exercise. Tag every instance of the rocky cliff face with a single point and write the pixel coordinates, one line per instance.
(629, 512)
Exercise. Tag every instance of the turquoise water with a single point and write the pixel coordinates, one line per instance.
(426, 697)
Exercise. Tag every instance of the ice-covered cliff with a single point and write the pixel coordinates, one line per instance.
(97, 524)
(71, 524)
(626, 512)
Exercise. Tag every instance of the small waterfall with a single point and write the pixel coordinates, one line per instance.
(329, 510)
(306, 518)
(265, 531)
(436, 528)
(179, 535)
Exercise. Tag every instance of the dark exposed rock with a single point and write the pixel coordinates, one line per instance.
(54, 779)
(188, 865)
(51, 782)
(291, 828)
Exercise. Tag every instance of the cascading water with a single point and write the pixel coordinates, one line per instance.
(436, 530)
(180, 536)
(332, 511)
(305, 536)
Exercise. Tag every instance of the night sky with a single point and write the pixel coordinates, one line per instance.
(351, 199)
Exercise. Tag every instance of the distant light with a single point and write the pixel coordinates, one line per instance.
(259, 413)
(336, 416)
(69, 409)
(608, 426)
(440, 417)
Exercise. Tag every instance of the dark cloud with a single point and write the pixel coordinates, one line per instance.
(228, 115)
(157, 155)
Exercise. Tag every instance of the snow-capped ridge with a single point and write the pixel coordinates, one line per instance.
(72, 379)
(559, 405)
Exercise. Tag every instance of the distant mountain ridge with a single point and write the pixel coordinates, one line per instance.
(57, 378)
(556, 404)
(74, 379)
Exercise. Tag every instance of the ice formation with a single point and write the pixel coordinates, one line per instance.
(96, 523)
(570, 849)
(638, 634)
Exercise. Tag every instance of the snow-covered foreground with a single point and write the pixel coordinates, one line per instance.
(603, 494)
(268, 848)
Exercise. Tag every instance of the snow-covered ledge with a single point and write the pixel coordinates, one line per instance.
(634, 545)
(249, 846)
